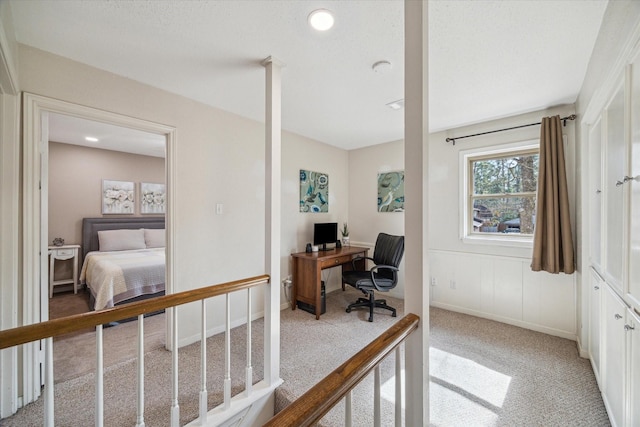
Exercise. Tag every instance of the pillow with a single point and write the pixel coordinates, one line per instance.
(121, 240)
(154, 237)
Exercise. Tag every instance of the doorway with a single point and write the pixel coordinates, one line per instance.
(36, 111)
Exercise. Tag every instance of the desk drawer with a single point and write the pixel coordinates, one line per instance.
(335, 261)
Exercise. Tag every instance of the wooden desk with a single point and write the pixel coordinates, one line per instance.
(307, 268)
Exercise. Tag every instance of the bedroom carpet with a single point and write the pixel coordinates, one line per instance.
(483, 373)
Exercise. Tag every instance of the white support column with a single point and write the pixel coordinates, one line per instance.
(348, 412)
(99, 418)
(416, 234)
(227, 354)
(140, 389)
(48, 384)
(203, 363)
(249, 368)
(398, 388)
(175, 407)
(273, 167)
(376, 397)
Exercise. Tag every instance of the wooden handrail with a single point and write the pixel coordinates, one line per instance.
(309, 408)
(65, 325)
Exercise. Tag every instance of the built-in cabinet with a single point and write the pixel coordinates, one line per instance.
(595, 293)
(614, 248)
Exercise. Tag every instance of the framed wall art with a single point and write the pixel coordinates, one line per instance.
(314, 191)
(391, 191)
(152, 198)
(118, 197)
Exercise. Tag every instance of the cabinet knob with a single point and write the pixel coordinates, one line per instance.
(596, 287)
(619, 183)
(631, 178)
(629, 328)
(617, 316)
(598, 191)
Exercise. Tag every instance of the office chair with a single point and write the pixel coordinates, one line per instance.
(382, 277)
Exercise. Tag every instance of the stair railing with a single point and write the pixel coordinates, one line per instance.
(309, 408)
(52, 328)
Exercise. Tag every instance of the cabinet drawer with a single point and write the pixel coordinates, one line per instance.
(62, 252)
(336, 261)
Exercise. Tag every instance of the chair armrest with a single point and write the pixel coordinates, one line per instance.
(377, 267)
(360, 258)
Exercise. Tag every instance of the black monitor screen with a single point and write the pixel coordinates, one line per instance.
(325, 232)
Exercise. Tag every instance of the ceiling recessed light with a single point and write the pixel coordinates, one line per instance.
(321, 19)
(90, 139)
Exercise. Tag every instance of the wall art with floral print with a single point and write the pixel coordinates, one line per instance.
(152, 198)
(118, 197)
(314, 191)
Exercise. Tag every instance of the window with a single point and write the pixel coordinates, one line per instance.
(500, 192)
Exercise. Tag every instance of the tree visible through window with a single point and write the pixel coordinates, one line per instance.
(503, 192)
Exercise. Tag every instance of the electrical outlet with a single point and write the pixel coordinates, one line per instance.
(433, 281)
(452, 284)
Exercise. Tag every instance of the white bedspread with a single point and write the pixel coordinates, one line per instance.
(113, 277)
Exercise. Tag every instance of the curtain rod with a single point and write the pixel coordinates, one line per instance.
(564, 122)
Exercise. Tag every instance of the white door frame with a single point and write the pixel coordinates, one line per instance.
(35, 151)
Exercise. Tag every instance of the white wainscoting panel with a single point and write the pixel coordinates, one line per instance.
(504, 289)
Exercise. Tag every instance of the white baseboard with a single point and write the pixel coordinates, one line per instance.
(509, 321)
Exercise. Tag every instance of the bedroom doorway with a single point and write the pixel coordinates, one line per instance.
(37, 112)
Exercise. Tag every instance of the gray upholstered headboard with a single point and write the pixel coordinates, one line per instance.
(91, 226)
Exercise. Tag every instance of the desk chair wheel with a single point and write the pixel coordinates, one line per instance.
(348, 310)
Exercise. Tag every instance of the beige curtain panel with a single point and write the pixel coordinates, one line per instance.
(552, 240)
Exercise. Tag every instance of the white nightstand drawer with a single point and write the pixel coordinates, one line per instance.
(63, 252)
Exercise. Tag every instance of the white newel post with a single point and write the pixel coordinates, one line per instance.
(416, 136)
(273, 161)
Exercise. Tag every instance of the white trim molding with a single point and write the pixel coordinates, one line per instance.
(35, 108)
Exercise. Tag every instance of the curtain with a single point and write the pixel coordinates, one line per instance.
(552, 240)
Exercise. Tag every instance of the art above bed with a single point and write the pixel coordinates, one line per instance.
(124, 259)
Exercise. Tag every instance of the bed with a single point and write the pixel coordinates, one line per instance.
(123, 259)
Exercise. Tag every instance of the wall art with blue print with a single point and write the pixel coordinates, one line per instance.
(391, 191)
(314, 191)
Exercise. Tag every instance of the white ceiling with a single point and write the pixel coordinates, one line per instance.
(487, 59)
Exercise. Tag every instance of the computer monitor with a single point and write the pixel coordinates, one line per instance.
(323, 233)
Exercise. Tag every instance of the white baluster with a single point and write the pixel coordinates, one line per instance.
(398, 413)
(99, 377)
(347, 410)
(48, 383)
(249, 369)
(376, 396)
(203, 365)
(227, 356)
(175, 408)
(140, 409)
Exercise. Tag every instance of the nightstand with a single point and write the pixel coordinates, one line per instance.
(62, 253)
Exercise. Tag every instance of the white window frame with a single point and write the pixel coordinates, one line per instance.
(466, 231)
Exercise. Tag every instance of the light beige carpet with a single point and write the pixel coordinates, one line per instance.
(483, 373)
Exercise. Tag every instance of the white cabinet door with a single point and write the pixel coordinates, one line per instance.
(594, 322)
(614, 358)
(595, 194)
(633, 181)
(615, 167)
(633, 330)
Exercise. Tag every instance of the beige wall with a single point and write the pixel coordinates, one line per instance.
(219, 159)
(75, 184)
(494, 281)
